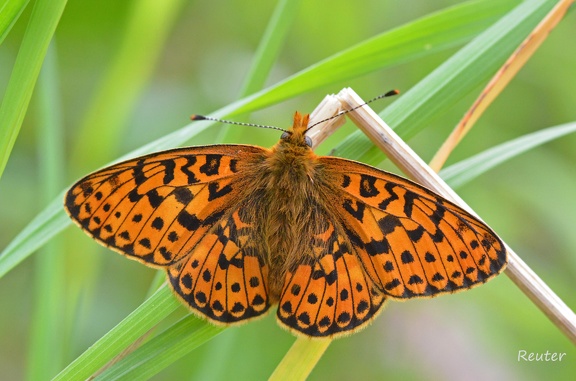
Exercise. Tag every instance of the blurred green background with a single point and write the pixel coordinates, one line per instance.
(201, 66)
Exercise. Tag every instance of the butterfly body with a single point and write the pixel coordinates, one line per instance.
(240, 228)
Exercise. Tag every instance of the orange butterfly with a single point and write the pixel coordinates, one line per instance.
(239, 228)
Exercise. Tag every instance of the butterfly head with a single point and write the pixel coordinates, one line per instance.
(296, 136)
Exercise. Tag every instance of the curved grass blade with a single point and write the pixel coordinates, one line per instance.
(162, 350)
(140, 321)
(451, 81)
(45, 354)
(284, 15)
(300, 359)
(436, 32)
(147, 29)
(508, 71)
(9, 13)
(274, 35)
(41, 27)
(466, 170)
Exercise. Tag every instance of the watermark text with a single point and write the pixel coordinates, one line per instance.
(540, 356)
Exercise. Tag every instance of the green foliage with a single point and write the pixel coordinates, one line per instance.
(128, 76)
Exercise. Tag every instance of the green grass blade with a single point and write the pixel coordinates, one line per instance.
(9, 13)
(161, 351)
(451, 81)
(144, 318)
(53, 219)
(265, 56)
(46, 347)
(466, 170)
(436, 32)
(270, 44)
(43, 21)
(300, 359)
(146, 31)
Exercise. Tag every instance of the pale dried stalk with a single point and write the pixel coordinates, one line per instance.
(328, 108)
(414, 167)
(510, 68)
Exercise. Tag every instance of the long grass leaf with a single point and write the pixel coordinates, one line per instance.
(436, 32)
(163, 350)
(466, 170)
(453, 80)
(265, 56)
(141, 320)
(9, 13)
(147, 29)
(270, 44)
(46, 345)
(43, 21)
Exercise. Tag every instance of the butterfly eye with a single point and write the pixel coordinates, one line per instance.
(308, 141)
(285, 135)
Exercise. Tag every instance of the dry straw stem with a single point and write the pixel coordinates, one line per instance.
(327, 109)
(510, 68)
(414, 167)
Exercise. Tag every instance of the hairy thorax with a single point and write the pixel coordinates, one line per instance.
(288, 182)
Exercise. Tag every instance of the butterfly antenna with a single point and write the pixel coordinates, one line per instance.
(202, 117)
(390, 93)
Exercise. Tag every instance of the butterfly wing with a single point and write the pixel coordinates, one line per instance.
(328, 293)
(410, 241)
(225, 277)
(179, 210)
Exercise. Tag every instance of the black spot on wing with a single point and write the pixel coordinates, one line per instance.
(368, 187)
(185, 169)
(188, 221)
(183, 195)
(212, 165)
(388, 223)
(169, 166)
(214, 190)
(154, 198)
(389, 187)
(356, 211)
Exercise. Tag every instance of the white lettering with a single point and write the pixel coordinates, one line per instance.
(522, 355)
(537, 356)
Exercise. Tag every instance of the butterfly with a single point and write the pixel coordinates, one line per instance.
(240, 228)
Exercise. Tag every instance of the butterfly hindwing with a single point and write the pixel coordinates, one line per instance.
(328, 293)
(156, 208)
(225, 277)
(410, 241)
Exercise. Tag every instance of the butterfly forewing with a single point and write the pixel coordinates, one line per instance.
(410, 241)
(156, 208)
